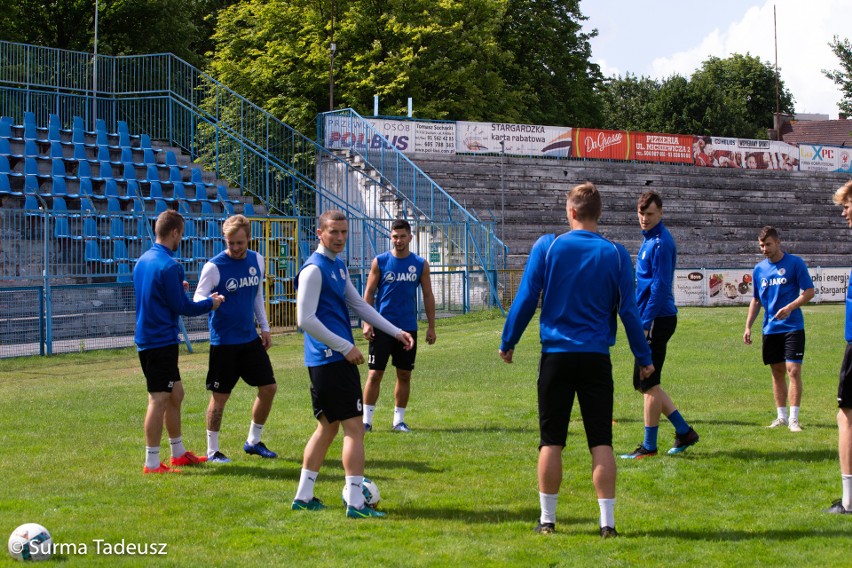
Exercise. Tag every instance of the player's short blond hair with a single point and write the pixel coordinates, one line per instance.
(234, 223)
(586, 200)
(843, 193)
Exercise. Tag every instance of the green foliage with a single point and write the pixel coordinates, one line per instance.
(842, 77)
(125, 27)
(461, 489)
(725, 97)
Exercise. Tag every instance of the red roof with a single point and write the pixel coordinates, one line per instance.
(827, 132)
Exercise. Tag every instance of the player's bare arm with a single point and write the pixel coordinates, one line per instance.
(805, 297)
(370, 296)
(753, 311)
(428, 303)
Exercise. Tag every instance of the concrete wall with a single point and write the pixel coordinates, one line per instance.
(714, 214)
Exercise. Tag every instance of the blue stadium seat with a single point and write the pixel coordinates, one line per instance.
(116, 228)
(213, 230)
(229, 208)
(6, 169)
(90, 228)
(92, 253)
(119, 251)
(113, 205)
(6, 149)
(190, 231)
(159, 207)
(155, 192)
(86, 188)
(175, 175)
(222, 193)
(58, 169)
(129, 171)
(84, 170)
(60, 189)
(86, 205)
(131, 191)
(125, 273)
(123, 134)
(31, 169)
(199, 250)
(218, 246)
(171, 160)
(138, 207)
(6, 189)
(149, 158)
(248, 209)
(183, 207)
(180, 193)
(142, 229)
(30, 126)
(31, 203)
(206, 207)
(105, 171)
(31, 185)
(81, 154)
(31, 149)
(6, 123)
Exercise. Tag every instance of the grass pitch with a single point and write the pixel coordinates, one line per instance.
(461, 489)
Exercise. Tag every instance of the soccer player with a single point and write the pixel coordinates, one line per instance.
(843, 197)
(586, 280)
(392, 288)
(236, 350)
(158, 281)
(782, 285)
(324, 295)
(655, 267)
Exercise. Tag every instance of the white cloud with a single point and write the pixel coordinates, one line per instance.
(804, 32)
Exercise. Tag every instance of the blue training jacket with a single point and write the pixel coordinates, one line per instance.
(161, 299)
(587, 281)
(655, 268)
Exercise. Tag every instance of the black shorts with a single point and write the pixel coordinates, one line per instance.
(844, 388)
(336, 391)
(781, 347)
(160, 367)
(384, 346)
(560, 377)
(662, 329)
(227, 363)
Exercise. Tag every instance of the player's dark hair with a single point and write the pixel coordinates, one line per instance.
(330, 215)
(168, 221)
(649, 197)
(586, 200)
(767, 232)
(401, 224)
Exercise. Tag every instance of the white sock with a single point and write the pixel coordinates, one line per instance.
(398, 415)
(177, 446)
(548, 507)
(369, 409)
(152, 457)
(607, 512)
(305, 492)
(212, 443)
(794, 413)
(847, 491)
(254, 433)
(356, 491)
(782, 412)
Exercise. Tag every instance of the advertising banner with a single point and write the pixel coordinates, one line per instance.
(671, 148)
(719, 152)
(601, 144)
(824, 158)
(520, 139)
(732, 287)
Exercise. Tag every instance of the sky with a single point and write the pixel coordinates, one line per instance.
(659, 38)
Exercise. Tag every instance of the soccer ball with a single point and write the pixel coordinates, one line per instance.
(30, 541)
(370, 490)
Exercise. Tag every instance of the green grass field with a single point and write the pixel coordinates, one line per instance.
(461, 489)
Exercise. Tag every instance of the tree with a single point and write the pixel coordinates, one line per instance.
(125, 27)
(842, 78)
(551, 62)
(725, 97)
(740, 93)
(629, 103)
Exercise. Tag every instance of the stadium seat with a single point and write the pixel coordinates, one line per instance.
(159, 207)
(86, 188)
(60, 189)
(31, 202)
(180, 193)
(84, 170)
(90, 229)
(86, 205)
(183, 207)
(218, 246)
(6, 149)
(30, 126)
(125, 273)
(6, 129)
(123, 135)
(92, 253)
(156, 192)
(248, 209)
(116, 228)
(6, 169)
(105, 171)
(171, 160)
(129, 171)
(31, 185)
(114, 205)
(31, 169)
(222, 193)
(6, 189)
(190, 231)
(131, 191)
(31, 149)
(150, 159)
(58, 169)
(206, 207)
(119, 251)
(199, 250)
(229, 208)
(213, 230)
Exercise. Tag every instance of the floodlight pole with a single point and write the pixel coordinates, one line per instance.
(332, 50)
(502, 193)
(95, 71)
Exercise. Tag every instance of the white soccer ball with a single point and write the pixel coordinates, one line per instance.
(370, 490)
(30, 541)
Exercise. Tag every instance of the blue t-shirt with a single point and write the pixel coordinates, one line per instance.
(655, 268)
(587, 281)
(161, 299)
(396, 296)
(332, 310)
(234, 323)
(776, 284)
